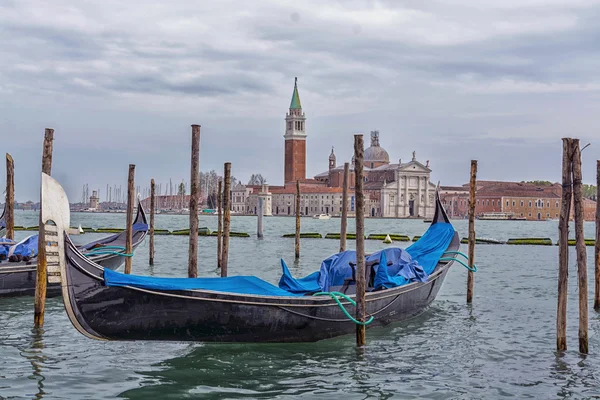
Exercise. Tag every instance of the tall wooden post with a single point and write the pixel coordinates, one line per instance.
(344, 224)
(361, 284)
(563, 247)
(297, 247)
(259, 221)
(129, 228)
(194, 200)
(9, 215)
(220, 224)
(471, 251)
(152, 207)
(41, 279)
(580, 248)
(226, 218)
(597, 246)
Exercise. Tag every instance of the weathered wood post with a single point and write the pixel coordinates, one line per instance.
(344, 227)
(129, 228)
(259, 221)
(580, 248)
(152, 207)
(563, 247)
(194, 200)
(220, 223)
(297, 247)
(597, 245)
(9, 215)
(41, 279)
(226, 218)
(361, 284)
(471, 251)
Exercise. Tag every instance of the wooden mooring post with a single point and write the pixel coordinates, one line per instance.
(129, 228)
(471, 250)
(563, 247)
(152, 207)
(9, 215)
(344, 222)
(597, 245)
(41, 278)
(259, 220)
(361, 285)
(194, 201)
(219, 223)
(580, 248)
(297, 246)
(226, 217)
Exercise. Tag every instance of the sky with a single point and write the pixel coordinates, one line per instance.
(121, 82)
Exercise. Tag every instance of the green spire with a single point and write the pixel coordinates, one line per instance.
(295, 104)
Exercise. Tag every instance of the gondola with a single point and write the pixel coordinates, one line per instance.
(262, 313)
(18, 278)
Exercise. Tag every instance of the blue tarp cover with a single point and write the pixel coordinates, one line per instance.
(27, 247)
(413, 264)
(233, 284)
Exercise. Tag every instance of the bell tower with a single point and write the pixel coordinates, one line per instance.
(295, 140)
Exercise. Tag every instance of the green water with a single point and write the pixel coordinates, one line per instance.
(501, 346)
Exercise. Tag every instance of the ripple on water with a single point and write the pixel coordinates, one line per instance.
(501, 346)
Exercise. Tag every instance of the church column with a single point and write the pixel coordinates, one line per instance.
(406, 210)
(419, 212)
(427, 205)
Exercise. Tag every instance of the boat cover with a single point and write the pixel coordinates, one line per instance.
(413, 264)
(232, 284)
(425, 253)
(27, 247)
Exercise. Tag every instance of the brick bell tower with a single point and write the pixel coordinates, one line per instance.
(295, 140)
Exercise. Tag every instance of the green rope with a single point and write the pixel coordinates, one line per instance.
(109, 250)
(474, 269)
(335, 296)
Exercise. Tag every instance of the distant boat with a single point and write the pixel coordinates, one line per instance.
(321, 216)
(501, 216)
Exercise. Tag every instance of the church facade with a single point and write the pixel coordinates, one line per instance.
(392, 190)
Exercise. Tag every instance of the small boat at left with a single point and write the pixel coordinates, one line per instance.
(18, 263)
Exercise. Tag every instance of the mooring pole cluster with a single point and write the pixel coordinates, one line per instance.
(572, 191)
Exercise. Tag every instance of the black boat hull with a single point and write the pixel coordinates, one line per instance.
(124, 313)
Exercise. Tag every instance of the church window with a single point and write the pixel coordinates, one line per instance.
(371, 165)
(522, 203)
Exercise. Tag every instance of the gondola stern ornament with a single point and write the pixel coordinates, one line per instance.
(56, 217)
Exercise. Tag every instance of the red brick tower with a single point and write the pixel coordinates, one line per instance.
(295, 140)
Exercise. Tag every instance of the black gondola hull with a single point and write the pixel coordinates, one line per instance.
(124, 313)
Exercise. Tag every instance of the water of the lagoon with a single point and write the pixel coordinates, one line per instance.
(501, 346)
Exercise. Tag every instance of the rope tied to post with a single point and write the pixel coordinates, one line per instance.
(336, 296)
(474, 269)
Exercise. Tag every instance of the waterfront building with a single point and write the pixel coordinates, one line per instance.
(519, 199)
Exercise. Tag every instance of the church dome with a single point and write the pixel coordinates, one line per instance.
(376, 153)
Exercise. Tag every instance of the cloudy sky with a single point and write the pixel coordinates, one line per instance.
(122, 81)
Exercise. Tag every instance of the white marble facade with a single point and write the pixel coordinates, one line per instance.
(410, 195)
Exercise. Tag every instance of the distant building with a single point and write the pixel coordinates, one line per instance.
(94, 200)
(520, 199)
(391, 190)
